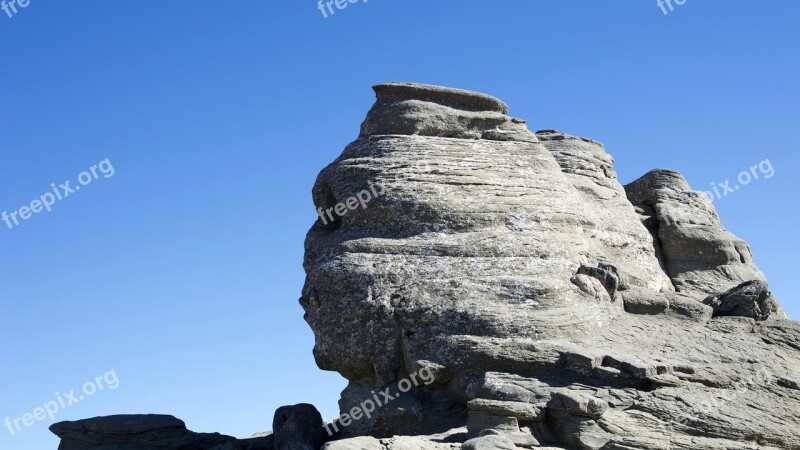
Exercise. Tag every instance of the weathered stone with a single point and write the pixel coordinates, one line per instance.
(298, 427)
(684, 306)
(591, 286)
(490, 442)
(642, 302)
(750, 299)
(480, 421)
(449, 440)
(619, 242)
(622, 282)
(520, 410)
(577, 431)
(607, 278)
(520, 439)
(495, 257)
(413, 109)
(698, 253)
(578, 404)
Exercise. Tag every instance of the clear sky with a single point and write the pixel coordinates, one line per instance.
(181, 271)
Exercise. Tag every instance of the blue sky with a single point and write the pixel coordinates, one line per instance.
(181, 272)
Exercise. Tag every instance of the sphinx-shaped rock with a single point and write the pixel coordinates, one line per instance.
(517, 270)
(487, 232)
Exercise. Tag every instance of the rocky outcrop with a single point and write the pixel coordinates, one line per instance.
(485, 287)
(146, 432)
(699, 254)
(298, 427)
(546, 299)
(749, 299)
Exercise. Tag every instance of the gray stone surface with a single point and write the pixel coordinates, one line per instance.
(577, 404)
(520, 410)
(518, 268)
(490, 442)
(522, 438)
(698, 253)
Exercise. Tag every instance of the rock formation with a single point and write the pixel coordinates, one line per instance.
(501, 289)
(548, 300)
(146, 432)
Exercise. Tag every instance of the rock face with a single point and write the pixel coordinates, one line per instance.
(552, 305)
(700, 256)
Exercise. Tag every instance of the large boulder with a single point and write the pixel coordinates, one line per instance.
(750, 299)
(517, 270)
(298, 427)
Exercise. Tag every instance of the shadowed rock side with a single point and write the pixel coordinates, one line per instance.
(485, 287)
(515, 268)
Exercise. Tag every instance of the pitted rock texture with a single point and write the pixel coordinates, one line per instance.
(548, 300)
